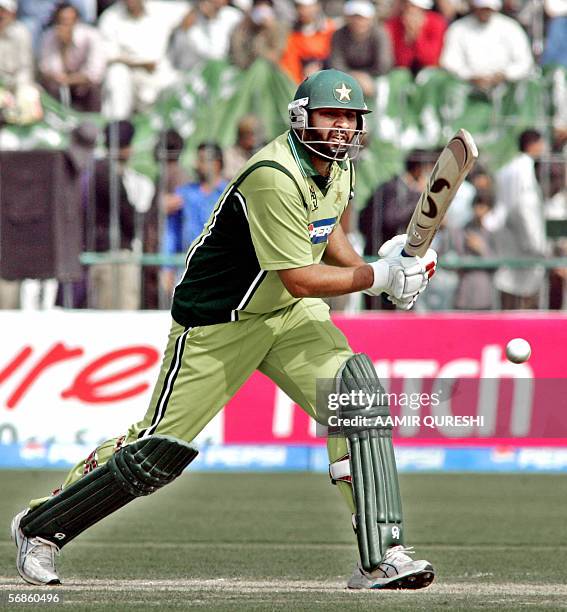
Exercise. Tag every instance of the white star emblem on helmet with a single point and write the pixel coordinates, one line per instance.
(344, 92)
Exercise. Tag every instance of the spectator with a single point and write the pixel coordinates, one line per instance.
(36, 14)
(556, 212)
(167, 153)
(249, 140)
(171, 175)
(559, 112)
(19, 96)
(258, 35)
(16, 66)
(417, 35)
(110, 223)
(309, 44)
(475, 290)
(72, 61)
(555, 193)
(361, 47)
(461, 210)
(450, 237)
(487, 48)
(555, 52)
(186, 220)
(523, 233)
(204, 34)
(16, 56)
(136, 33)
(81, 153)
(391, 206)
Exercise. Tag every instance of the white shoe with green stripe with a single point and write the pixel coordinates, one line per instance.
(36, 557)
(397, 570)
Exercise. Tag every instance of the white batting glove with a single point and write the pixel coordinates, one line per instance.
(401, 278)
(429, 261)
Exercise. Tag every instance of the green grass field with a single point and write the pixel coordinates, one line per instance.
(283, 542)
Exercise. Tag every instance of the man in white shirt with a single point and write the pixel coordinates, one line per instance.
(204, 34)
(16, 56)
(486, 47)
(72, 63)
(523, 233)
(19, 96)
(136, 33)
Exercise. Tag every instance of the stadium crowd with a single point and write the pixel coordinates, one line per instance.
(115, 58)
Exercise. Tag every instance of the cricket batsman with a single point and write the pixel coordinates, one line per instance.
(250, 299)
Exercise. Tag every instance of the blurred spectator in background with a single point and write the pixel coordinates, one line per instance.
(417, 35)
(555, 194)
(475, 290)
(309, 44)
(36, 14)
(559, 111)
(136, 34)
(391, 206)
(81, 152)
(204, 34)
(555, 187)
(555, 51)
(457, 224)
(110, 224)
(523, 233)
(461, 210)
(16, 56)
(72, 61)
(258, 35)
(187, 217)
(487, 48)
(171, 175)
(249, 140)
(19, 98)
(361, 47)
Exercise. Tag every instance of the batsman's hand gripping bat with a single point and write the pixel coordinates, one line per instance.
(450, 170)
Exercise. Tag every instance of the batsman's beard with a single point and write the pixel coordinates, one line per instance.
(331, 143)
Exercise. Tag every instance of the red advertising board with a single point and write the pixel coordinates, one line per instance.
(82, 377)
(461, 354)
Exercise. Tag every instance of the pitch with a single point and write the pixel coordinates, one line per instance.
(282, 542)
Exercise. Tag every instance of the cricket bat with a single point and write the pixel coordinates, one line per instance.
(450, 170)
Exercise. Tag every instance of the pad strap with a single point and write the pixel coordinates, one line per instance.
(339, 470)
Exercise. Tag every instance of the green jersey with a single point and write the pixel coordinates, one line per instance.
(276, 214)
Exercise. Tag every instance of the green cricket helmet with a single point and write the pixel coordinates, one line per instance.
(328, 89)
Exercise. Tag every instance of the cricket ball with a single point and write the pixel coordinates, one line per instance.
(518, 350)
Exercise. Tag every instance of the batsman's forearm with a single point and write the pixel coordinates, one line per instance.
(320, 280)
(340, 252)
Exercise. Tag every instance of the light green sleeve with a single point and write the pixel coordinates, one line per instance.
(277, 219)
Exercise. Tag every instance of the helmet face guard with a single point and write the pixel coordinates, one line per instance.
(329, 89)
(340, 151)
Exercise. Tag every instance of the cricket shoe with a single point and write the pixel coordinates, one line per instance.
(36, 557)
(397, 570)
